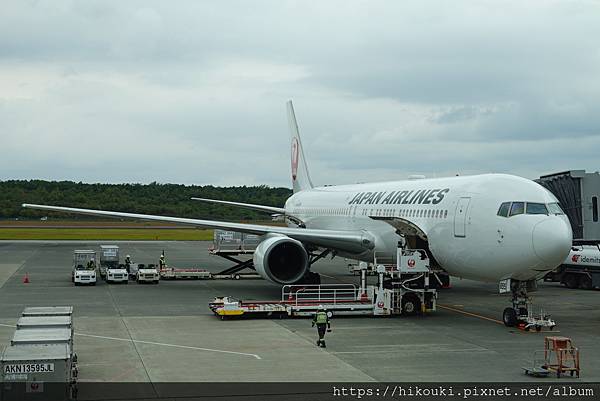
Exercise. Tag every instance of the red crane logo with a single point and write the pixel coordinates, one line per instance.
(295, 150)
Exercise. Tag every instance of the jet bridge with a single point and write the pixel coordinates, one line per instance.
(401, 289)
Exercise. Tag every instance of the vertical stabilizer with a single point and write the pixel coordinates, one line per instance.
(300, 176)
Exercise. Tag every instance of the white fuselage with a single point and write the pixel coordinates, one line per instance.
(458, 216)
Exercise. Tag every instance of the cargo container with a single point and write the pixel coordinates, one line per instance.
(47, 311)
(37, 372)
(45, 322)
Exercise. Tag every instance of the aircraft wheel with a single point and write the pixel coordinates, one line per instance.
(445, 280)
(411, 305)
(571, 281)
(509, 317)
(312, 278)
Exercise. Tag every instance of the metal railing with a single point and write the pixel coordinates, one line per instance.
(329, 293)
(234, 241)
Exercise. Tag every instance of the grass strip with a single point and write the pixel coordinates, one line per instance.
(146, 234)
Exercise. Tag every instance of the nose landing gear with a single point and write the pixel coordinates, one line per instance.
(519, 315)
(519, 311)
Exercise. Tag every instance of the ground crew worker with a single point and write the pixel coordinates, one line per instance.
(90, 264)
(127, 263)
(161, 261)
(322, 321)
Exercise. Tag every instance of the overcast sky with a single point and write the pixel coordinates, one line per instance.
(194, 92)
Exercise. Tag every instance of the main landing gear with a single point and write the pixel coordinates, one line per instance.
(311, 277)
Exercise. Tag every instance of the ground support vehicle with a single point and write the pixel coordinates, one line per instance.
(172, 273)
(581, 268)
(398, 292)
(357, 267)
(192, 273)
(117, 274)
(84, 267)
(537, 322)
(109, 258)
(147, 274)
(231, 245)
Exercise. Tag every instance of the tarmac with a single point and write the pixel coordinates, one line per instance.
(166, 333)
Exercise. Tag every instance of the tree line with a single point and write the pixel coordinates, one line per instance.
(153, 198)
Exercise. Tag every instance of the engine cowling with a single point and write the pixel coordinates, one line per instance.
(281, 260)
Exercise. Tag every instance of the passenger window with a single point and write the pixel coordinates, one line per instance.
(503, 211)
(536, 208)
(517, 208)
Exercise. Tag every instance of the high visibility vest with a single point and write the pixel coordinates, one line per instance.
(321, 318)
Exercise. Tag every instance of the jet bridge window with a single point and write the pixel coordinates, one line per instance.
(504, 208)
(536, 208)
(595, 209)
(517, 208)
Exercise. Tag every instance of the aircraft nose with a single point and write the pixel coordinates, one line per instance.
(552, 240)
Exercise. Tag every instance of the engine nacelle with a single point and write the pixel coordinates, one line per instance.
(281, 259)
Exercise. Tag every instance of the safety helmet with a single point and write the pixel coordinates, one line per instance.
(127, 256)
(321, 307)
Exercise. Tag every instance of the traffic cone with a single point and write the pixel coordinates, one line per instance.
(26, 278)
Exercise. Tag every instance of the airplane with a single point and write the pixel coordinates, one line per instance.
(489, 227)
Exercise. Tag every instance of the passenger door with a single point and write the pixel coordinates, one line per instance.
(460, 217)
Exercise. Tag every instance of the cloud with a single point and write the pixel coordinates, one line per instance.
(194, 92)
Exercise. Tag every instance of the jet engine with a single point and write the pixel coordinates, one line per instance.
(281, 259)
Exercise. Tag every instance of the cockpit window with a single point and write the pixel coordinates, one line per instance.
(554, 208)
(517, 208)
(504, 208)
(536, 208)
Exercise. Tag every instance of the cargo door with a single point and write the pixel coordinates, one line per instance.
(460, 217)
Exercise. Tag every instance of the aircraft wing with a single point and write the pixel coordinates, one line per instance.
(267, 209)
(350, 241)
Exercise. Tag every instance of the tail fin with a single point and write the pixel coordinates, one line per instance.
(300, 176)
